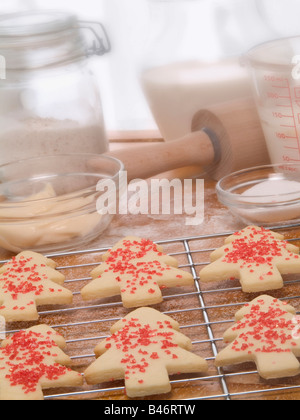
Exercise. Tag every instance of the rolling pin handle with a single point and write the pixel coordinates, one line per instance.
(195, 149)
(223, 139)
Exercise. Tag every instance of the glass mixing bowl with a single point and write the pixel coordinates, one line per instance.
(50, 204)
(266, 195)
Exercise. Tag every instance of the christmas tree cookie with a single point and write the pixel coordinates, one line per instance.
(257, 257)
(266, 333)
(28, 280)
(144, 349)
(32, 360)
(137, 270)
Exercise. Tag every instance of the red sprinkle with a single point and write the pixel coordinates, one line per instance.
(24, 359)
(132, 268)
(140, 345)
(260, 248)
(268, 330)
(22, 278)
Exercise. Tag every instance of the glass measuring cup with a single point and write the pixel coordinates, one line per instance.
(275, 70)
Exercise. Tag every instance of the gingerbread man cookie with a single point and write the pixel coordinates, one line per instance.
(266, 333)
(32, 360)
(145, 348)
(257, 257)
(137, 270)
(28, 280)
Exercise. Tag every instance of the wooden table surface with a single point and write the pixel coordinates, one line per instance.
(203, 314)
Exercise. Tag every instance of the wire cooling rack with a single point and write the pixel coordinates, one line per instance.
(204, 312)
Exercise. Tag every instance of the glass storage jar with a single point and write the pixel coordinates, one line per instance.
(49, 99)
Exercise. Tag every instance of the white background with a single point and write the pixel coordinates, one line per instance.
(240, 23)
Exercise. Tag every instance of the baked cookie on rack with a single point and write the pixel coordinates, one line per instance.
(257, 257)
(144, 349)
(29, 280)
(267, 333)
(33, 360)
(137, 269)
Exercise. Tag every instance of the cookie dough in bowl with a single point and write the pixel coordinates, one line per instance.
(50, 204)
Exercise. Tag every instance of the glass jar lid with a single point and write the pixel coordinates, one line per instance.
(35, 23)
(35, 39)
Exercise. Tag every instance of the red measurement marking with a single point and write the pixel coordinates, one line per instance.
(294, 118)
(297, 92)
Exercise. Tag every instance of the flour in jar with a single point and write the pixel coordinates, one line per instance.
(35, 137)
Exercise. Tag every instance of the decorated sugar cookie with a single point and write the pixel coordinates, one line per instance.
(144, 349)
(28, 280)
(257, 257)
(267, 333)
(32, 360)
(137, 270)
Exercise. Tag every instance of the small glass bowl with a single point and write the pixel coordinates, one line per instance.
(50, 204)
(266, 195)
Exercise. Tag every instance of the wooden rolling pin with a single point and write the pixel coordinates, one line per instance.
(223, 139)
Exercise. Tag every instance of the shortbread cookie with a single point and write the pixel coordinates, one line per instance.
(32, 360)
(145, 348)
(137, 270)
(255, 256)
(28, 280)
(266, 333)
